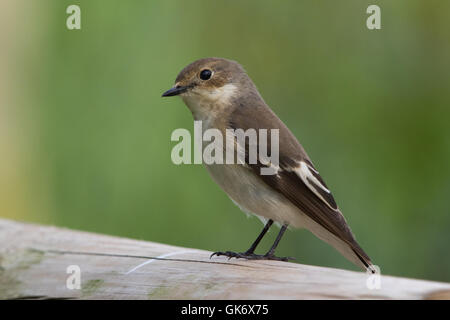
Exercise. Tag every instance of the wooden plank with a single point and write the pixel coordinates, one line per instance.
(34, 261)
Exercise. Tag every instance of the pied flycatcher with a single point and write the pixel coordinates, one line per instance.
(221, 95)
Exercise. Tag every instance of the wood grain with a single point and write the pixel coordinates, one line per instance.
(34, 261)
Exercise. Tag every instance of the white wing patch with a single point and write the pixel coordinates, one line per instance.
(304, 172)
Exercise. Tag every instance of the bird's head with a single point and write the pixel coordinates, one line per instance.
(210, 83)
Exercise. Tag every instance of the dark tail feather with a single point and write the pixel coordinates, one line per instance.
(363, 257)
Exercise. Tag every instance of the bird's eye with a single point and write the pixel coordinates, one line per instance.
(205, 74)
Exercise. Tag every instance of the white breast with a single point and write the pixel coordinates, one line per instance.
(248, 191)
(254, 196)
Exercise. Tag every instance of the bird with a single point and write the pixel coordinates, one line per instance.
(221, 95)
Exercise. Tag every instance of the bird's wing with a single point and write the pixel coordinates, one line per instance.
(297, 178)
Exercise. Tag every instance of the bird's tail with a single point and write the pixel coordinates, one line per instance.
(347, 245)
(363, 258)
(349, 248)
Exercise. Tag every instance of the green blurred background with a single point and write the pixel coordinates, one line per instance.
(85, 136)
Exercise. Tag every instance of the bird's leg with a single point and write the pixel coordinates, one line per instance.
(250, 255)
(271, 253)
(251, 250)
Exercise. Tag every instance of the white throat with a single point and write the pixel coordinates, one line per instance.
(205, 104)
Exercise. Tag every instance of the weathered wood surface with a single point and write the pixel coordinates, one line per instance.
(34, 261)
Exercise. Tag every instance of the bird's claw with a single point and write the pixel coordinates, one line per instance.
(249, 256)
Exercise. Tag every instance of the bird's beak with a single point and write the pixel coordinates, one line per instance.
(175, 91)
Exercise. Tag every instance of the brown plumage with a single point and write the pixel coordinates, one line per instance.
(296, 195)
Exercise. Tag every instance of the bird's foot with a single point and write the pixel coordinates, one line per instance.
(250, 256)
